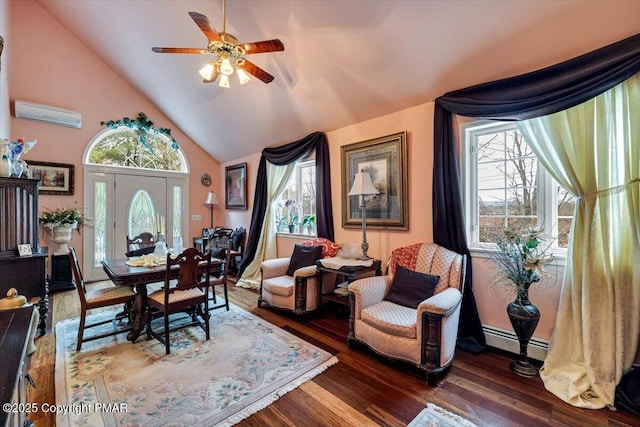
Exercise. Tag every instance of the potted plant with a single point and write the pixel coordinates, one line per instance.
(60, 223)
(521, 259)
(292, 216)
(309, 223)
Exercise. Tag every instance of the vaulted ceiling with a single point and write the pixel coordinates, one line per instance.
(345, 61)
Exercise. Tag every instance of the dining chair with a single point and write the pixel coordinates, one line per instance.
(188, 294)
(220, 280)
(141, 244)
(97, 298)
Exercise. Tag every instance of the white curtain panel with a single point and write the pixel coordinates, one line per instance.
(277, 179)
(593, 150)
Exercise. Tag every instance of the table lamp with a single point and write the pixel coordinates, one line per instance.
(362, 186)
(211, 200)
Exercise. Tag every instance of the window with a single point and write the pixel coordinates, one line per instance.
(296, 208)
(506, 186)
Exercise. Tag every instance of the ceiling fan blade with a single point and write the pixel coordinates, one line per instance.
(178, 50)
(256, 71)
(274, 45)
(206, 27)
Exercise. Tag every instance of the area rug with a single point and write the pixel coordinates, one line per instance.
(246, 365)
(435, 416)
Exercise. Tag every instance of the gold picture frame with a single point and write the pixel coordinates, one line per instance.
(55, 178)
(385, 158)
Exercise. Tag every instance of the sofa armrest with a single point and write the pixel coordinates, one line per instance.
(443, 303)
(274, 267)
(369, 291)
(308, 271)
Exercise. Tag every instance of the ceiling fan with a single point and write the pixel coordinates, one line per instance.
(228, 53)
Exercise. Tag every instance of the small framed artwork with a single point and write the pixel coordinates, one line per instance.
(235, 184)
(55, 178)
(24, 250)
(385, 158)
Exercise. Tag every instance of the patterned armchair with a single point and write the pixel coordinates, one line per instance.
(425, 336)
(297, 292)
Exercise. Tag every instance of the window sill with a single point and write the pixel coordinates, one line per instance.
(296, 236)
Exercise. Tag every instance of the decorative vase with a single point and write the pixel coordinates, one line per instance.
(524, 318)
(291, 228)
(6, 168)
(61, 235)
(18, 168)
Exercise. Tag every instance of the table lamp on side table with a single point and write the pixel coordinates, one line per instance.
(362, 186)
(211, 200)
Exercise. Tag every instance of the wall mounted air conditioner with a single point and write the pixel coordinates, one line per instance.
(46, 113)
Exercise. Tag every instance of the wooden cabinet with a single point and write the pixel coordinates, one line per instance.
(15, 326)
(19, 225)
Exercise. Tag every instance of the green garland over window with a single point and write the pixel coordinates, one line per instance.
(143, 127)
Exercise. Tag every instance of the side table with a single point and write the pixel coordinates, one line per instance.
(350, 273)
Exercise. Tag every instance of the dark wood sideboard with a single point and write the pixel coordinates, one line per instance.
(15, 326)
(19, 225)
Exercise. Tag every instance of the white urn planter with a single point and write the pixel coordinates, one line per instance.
(62, 236)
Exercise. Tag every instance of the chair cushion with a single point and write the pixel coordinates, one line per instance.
(410, 288)
(391, 318)
(329, 249)
(177, 295)
(106, 294)
(281, 285)
(303, 256)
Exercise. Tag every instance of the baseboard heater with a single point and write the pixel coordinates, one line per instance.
(508, 341)
(49, 114)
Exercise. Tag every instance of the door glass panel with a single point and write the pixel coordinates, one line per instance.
(141, 214)
(100, 223)
(177, 211)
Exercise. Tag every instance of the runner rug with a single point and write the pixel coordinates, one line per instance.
(435, 416)
(246, 365)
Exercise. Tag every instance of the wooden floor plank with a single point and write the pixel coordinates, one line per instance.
(366, 389)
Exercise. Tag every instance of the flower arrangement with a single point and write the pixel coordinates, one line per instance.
(62, 216)
(292, 216)
(521, 257)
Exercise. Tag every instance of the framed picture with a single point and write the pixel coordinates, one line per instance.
(55, 178)
(235, 184)
(24, 250)
(385, 159)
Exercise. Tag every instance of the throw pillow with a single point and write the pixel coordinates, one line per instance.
(303, 256)
(329, 249)
(409, 288)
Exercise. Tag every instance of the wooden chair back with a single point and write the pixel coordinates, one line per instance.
(142, 244)
(191, 273)
(77, 274)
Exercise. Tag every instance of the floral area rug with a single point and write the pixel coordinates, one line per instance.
(246, 365)
(435, 416)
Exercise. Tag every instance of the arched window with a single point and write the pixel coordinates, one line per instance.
(129, 188)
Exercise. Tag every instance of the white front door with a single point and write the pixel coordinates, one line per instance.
(139, 200)
(122, 204)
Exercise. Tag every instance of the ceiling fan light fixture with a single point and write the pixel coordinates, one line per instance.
(224, 81)
(243, 76)
(226, 67)
(207, 71)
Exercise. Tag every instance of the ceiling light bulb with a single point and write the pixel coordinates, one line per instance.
(226, 67)
(243, 76)
(207, 71)
(224, 81)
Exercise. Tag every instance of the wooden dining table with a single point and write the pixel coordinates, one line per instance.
(122, 274)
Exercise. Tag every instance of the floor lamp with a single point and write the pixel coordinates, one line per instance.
(362, 186)
(211, 200)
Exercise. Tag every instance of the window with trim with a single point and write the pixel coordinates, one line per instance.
(296, 206)
(505, 185)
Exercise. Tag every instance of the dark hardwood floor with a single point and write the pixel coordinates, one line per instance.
(363, 389)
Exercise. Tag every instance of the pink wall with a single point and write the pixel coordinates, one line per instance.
(62, 72)
(5, 128)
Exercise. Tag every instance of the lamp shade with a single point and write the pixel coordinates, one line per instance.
(362, 185)
(211, 199)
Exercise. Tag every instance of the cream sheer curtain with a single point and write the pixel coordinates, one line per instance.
(593, 150)
(277, 179)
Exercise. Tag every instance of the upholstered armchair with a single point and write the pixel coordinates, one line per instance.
(424, 335)
(284, 286)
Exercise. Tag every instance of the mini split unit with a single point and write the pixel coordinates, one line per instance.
(46, 113)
